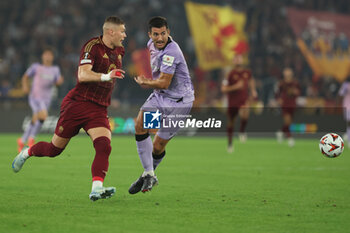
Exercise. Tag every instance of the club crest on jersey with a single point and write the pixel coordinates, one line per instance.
(60, 129)
(151, 119)
(168, 60)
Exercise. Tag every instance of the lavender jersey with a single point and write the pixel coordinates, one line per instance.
(345, 92)
(44, 79)
(170, 60)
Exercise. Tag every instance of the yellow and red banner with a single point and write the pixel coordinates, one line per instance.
(323, 38)
(141, 60)
(218, 34)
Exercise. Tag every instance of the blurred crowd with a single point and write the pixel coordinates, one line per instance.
(29, 26)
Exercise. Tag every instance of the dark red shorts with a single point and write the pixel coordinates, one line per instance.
(232, 111)
(288, 111)
(75, 115)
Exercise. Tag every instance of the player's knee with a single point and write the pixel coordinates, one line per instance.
(139, 128)
(54, 151)
(103, 146)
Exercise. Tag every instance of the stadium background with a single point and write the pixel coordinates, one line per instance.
(65, 25)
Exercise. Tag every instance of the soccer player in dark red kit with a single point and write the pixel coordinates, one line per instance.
(85, 106)
(287, 93)
(239, 85)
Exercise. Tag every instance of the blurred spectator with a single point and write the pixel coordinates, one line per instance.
(5, 89)
(29, 26)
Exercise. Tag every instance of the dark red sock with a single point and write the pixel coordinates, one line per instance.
(243, 125)
(42, 149)
(286, 131)
(229, 135)
(103, 149)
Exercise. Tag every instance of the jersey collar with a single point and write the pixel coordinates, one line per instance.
(168, 42)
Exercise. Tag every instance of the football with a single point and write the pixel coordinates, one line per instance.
(331, 145)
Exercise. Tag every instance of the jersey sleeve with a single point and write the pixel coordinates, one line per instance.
(88, 54)
(57, 73)
(169, 61)
(31, 70)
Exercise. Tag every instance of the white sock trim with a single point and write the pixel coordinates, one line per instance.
(151, 172)
(25, 153)
(96, 184)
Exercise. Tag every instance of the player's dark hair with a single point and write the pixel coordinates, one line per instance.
(157, 22)
(114, 19)
(49, 49)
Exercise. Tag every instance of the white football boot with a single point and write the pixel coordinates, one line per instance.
(102, 193)
(242, 137)
(291, 142)
(230, 149)
(279, 136)
(20, 159)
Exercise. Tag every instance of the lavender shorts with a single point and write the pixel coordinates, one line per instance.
(38, 105)
(346, 112)
(171, 109)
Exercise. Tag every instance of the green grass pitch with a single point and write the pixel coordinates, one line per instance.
(262, 187)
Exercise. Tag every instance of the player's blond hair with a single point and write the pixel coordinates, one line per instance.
(112, 21)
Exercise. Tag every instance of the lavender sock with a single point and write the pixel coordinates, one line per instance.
(157, 159)
(36, 128)
(348, 134)
(144, 148)
(27, 132)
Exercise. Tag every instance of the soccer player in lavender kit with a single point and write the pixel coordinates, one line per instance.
(85, 106)
(45, 77)
(173, 95)
(344, 91)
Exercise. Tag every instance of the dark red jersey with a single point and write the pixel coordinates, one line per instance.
(288, 92)
(239, 97)
(103, 60)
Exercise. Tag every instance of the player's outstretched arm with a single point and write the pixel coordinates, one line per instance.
(85, 74)
(60, 81)
(252, 87)
(162, 82)
(234, 87)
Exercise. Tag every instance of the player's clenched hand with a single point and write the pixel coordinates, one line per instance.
(115, 73)
(140, 79)
(254, 94)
